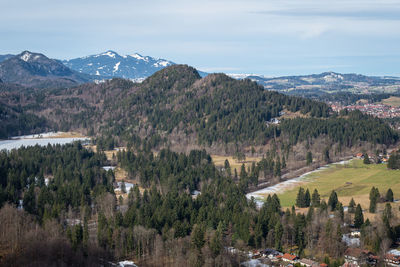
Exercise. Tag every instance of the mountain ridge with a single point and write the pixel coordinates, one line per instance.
(176, 107)
(110, 64)
(328, 82)
(36, 70)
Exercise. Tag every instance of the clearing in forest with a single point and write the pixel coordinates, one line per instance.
(352, 180)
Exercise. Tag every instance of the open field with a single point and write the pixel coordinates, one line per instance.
(67, 135)
(393, 101)
(235, 164)
(351, 180)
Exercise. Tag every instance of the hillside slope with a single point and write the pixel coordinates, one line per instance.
(37, 70)
(176, 106)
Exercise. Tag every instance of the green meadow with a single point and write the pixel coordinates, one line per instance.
(354, 179)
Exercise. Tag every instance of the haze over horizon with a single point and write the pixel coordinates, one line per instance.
(269, 38)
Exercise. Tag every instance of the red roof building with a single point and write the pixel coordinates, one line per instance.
(289, 257)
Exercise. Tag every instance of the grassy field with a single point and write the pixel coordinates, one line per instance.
(393, 101)
(352, 180)
(235, 164)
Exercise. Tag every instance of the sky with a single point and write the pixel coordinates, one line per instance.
(266, 37)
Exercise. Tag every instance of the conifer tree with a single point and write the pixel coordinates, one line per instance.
(389, 195)
(300, 200)
(333, 200)
(326, 155)
(373, 197)
(358, 217)
(277, 169)
(352, 206)
(309, 157)
(307, 198)
(283, 162)
(227, 167)
(387, 213)
(278, 235)
(340, 210)
(316, 199)
(29, 201)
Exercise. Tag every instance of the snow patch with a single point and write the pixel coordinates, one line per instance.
(137, 80)
(139, 57)
(109, 53)
(116, 67)
(127, 264)
(261, 195)
(107, 168)
(128, 186)
(26, 56)
(162, 63)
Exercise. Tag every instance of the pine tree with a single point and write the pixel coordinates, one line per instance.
(278, 235)
(309, 157)
(227, 167)
(277, 169)
(387, 213)
(358, 217)
(300, 200)
(389, 195)
(326, 155)
(333, 200)
(29, 201)
(316, 199)
(283, 162)
(307, 198)
(198, 236)
(216, 241)
(352, 206)
(373, 197)
(340, 210)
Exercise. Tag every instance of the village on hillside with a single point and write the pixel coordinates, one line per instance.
(377, 110)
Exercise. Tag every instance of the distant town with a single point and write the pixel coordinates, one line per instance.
(377, 110)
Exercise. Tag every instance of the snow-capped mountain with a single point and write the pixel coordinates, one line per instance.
(37, 70)
(111, 64)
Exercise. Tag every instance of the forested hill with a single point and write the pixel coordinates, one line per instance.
(177, 105)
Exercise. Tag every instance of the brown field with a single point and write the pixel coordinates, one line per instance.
(235, 164)
(67, 135)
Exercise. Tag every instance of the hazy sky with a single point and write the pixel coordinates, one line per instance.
(237, 36)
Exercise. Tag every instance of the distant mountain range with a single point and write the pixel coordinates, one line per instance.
(37, 70)
(327, 82)
(111, 64)
(101, 66)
